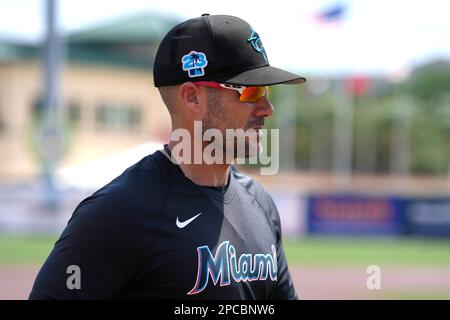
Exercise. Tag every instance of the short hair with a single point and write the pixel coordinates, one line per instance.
(169, 97)
(215, 112)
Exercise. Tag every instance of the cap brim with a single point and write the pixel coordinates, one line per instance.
(263, 76)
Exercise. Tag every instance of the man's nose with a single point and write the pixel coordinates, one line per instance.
(263, 107)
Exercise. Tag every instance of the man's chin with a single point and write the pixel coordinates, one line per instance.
(256, 151)
(251, 150)
(252, 147)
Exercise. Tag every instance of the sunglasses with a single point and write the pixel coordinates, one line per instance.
(247, 94)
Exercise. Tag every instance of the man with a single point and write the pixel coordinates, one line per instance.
(173, 228)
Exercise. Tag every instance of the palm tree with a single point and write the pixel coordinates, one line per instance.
(195, 58)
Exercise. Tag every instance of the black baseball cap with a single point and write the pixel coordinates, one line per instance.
(218, 48)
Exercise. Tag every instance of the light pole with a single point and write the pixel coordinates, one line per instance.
(49, 136)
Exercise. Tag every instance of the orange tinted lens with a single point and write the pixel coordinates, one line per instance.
(252, 94)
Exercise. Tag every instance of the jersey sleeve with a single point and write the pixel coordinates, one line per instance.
(99, 254)
(285, 287)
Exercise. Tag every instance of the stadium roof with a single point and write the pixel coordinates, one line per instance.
(146, 28)
(127, 41)
(11, 51)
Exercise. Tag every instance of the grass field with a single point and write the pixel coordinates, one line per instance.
(321, 268)
(25, 250)
(32, 250)
(367, 251)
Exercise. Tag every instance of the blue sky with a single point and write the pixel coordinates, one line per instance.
(376, 36)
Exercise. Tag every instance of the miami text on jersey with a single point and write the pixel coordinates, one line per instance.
(225, 263)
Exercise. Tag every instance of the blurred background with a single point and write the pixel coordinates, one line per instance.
(364, 145)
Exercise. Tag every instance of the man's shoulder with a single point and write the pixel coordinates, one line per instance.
(150, 173)
(139, 187)
(253, 187)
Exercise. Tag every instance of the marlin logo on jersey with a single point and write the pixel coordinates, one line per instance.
(226, 266)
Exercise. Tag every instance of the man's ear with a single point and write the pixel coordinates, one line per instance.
(193, 99)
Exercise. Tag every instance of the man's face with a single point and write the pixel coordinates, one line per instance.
(225, 111)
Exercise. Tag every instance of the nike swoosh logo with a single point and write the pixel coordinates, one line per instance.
(183, 224)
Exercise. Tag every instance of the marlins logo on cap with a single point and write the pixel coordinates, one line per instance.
(256, 43)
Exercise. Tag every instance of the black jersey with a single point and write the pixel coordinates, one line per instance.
(152, 233)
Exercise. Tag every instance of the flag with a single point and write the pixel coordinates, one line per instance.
(331, 15)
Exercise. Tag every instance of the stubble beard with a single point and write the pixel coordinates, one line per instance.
(216, 118)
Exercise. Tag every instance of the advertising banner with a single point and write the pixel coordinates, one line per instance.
(354, 214)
